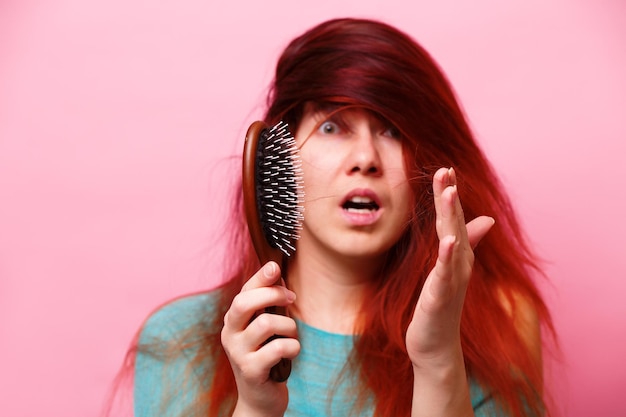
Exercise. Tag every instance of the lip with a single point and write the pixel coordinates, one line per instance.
(365, 218)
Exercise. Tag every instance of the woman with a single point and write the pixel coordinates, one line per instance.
(397, 307)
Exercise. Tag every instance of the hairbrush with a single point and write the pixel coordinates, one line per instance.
(272, 195)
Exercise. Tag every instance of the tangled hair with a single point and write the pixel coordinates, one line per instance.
(357, 62)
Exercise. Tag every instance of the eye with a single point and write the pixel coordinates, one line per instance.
(329, 128)
(392, 132)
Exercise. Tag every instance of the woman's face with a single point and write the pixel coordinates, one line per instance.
(357, 198)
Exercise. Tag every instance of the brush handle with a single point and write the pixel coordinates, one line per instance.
(279, 372)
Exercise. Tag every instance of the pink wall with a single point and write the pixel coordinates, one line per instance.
(115, 116)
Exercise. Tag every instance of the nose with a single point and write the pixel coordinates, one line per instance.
(365, 157)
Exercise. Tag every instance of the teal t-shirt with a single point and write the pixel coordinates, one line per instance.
(318, 385)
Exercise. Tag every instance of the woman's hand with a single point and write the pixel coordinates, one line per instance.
(246, 331)
(434, 335)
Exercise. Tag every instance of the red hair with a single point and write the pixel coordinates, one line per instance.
(371, 64)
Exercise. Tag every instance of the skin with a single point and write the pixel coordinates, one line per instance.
(336, 259)
(434, 336)
(346, 153)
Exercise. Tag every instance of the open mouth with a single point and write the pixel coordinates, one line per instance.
(359, 204)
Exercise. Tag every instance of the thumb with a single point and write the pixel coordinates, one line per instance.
(478, 228)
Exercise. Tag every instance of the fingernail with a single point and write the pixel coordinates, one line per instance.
(291, 296)
(451, 176)
(270, 269)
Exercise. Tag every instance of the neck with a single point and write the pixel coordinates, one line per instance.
(329, 292)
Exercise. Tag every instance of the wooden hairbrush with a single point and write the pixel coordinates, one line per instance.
(273, 195)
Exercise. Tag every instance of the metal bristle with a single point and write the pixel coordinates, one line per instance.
(280, 193)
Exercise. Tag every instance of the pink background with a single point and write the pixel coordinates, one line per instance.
(116, 119)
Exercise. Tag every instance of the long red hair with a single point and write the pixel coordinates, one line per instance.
(371, 64)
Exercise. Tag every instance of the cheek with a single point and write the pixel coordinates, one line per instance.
(402, 192)
(315, 181)
(317, 167)
(317, 154)
(397, 177)
(393, 158)
(405, 198)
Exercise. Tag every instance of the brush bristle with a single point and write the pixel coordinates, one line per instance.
(279, 188)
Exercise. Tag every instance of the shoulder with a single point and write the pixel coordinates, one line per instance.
(525, 318)
(167, 374)
(173, 336)
(178, 315)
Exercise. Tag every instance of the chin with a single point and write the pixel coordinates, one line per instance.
(364, 251)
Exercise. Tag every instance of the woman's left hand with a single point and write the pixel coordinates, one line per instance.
(433, 338)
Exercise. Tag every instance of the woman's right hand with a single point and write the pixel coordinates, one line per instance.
(246, 330)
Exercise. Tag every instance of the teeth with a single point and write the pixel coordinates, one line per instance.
(361, 200)
(360, 204)
(356, 210)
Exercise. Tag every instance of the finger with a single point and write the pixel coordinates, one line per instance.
(268, 275)
(257, 365)
(444, 267)
(450, 214)
(266, 326)
(247, 303)
(441, 182)
(254, 364)
(458, 208)
(438, 287)
(275, 350)
(450, 219)
(478, 228)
